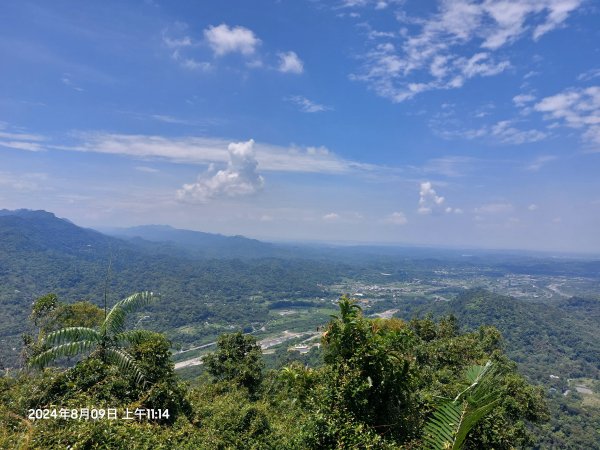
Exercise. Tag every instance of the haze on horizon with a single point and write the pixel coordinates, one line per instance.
(454, 123)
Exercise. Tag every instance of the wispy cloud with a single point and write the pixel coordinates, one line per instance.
(200, 150)
(540, 162)
(396, 218)
(331, 217)
(306, 105)
(589, 75)
(504, 132)
(177, 39)
(67, 81)
(437, 56)
(449, 166)
(146, 169)
(577, 108)
(23, 182)
(18, 140)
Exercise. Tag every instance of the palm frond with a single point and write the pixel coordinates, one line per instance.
(72, 334)
(68, 349)
(115, 319)
(453, 419)
(441, 430)
(134, 336)
(125, 362)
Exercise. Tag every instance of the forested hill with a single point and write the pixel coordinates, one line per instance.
(554, 344)
(563, 336)
(40, 253)
(40, 231)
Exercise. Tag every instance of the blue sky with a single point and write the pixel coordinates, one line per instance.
(458, 123)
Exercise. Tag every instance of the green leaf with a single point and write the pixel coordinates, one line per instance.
(134, 336)
(126, 363)
(72, 334)
(69, 349)
(115, 319)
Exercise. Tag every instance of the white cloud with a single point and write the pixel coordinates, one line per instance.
(289, 62)
(195, 150)
(523, 99)
(433, 56)
(503, 131)
(450, 166)
(24, 182)
(193, 64)
(331, 217)
(240, 178)
(20, 145)
(589, 75)
(397, 218)
(20, 141)
(540, 162)
(532, 207)
(224, 39)
(177, 40)
(509, 134)
(575, 108)
(67, 81)
(429, 201)
(306, 105)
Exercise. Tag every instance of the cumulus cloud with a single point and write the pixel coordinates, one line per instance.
(289, 62)
(224, 39)
(532, 207)
(428, 199)
(306, 105)
(575, 108)
(433, 56)
(397, 218)
(240, 178)
(432, 203)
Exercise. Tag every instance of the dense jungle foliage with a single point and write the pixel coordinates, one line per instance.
(380, 382)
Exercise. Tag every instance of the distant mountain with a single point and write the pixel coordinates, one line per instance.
(41, 231)
(200, 244)
(41, 253)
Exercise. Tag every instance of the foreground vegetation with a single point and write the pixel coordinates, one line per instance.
(383, 384)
